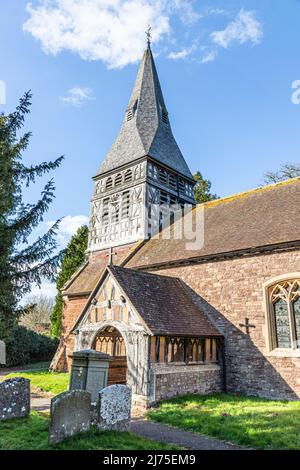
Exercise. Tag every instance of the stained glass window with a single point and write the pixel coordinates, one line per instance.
(285, 298)
(282, 324)
(296, 311)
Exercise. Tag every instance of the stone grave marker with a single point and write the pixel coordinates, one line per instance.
(70, 414)
(2, 353)
(114, 408)
(14, 398)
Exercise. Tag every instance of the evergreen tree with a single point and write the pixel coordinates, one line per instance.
(202, 189)
(74, 257)
(21, 264)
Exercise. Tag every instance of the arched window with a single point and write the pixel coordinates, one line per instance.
(284, 299)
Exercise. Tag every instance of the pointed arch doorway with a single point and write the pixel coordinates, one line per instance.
(110, 341)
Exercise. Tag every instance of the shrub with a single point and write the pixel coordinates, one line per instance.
(24, 347)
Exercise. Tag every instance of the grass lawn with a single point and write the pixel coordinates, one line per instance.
(32, 434)
(248, 421)
(43, 380)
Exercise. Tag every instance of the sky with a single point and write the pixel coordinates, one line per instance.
(229, 71)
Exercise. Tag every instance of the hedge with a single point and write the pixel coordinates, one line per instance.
(24, 347)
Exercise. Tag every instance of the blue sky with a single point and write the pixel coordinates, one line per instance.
(226, 69)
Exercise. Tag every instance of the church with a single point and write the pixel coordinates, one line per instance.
(177, 317)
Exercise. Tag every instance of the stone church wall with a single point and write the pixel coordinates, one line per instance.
(170, 381)
(230, 291)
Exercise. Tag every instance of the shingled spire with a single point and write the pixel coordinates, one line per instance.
(146, 129)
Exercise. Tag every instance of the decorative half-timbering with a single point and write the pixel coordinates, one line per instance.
(143, 322)
(144, 160)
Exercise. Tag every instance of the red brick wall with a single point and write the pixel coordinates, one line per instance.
(231, 291)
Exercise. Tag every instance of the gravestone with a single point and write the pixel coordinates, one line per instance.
(114, 408)
(2, 353)
(14, 398)
(89, 372)
(70, 414)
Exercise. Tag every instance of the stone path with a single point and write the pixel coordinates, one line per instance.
(39, 403)
(163, 433)
(156, 431)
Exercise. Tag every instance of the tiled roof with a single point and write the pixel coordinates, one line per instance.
(86, 278)
(268, 216)
(148, 131)
(164, 303)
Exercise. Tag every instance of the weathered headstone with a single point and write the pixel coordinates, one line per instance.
(70, 414)
(14, 398)
(114, 408)
(89, 371)
(2, 353)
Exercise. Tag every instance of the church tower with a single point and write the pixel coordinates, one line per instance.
(143, 167)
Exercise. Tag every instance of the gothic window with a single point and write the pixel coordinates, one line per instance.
(109, 183)
(284, 300)
(282, 324)
(118, 180)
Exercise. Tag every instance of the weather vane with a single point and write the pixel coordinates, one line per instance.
(148, 35)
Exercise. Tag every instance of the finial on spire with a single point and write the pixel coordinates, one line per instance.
(149, 36)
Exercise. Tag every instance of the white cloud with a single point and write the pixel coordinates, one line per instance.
(47, 288)
(179, 55)
(209, 56)
(182, 54)
(185, 10)
(77, 96)
(112, 31)
(68, 227)
(244, 28)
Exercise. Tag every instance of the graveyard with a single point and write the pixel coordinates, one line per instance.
(244, 421)
(72, 422)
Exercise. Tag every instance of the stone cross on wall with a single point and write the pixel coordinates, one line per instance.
(247, 326)
(110, 255)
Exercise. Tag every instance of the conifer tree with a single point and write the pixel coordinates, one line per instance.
(73, 258)
(22, 264)
(202, 189)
